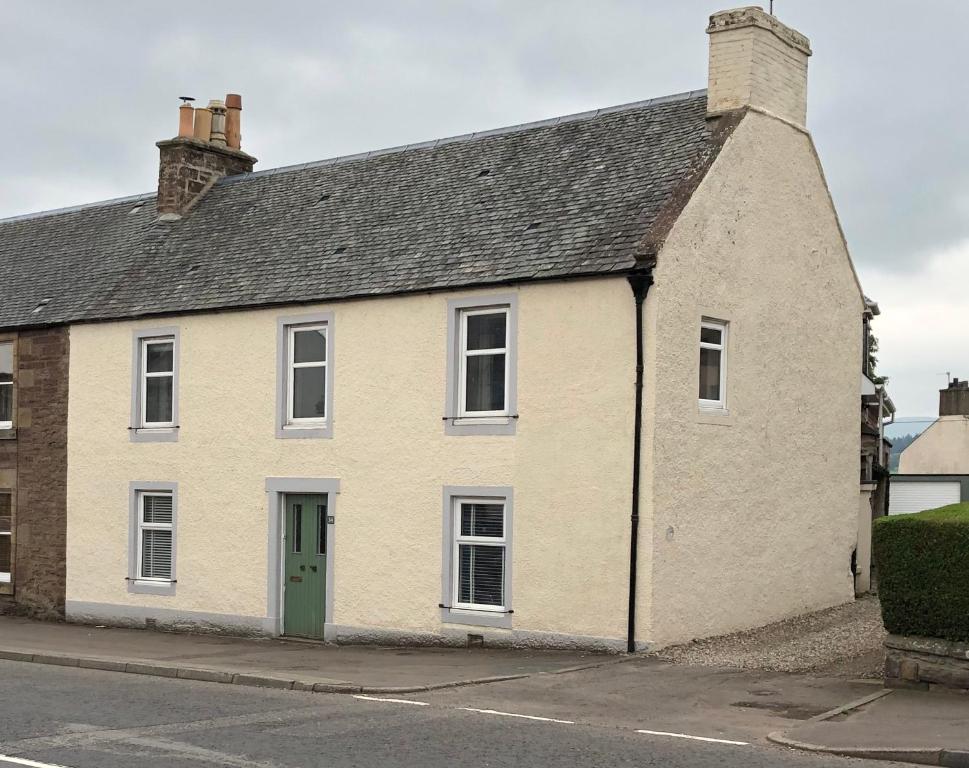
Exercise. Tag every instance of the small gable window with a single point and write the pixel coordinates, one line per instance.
(713, 365)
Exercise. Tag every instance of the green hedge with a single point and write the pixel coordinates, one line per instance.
(923, 572)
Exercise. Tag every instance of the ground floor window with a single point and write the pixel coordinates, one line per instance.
(155, 536)
(6, 538)
(151, 559)
(477, 562)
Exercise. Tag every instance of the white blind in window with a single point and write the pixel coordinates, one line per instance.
(158, 509)
(156, 558)
(157, 519)
(481, 554)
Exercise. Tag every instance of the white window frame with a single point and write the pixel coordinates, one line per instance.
(465, 353)
(286, 425)
(13, 354)
(143, 526)
(722, 326)
(292, 365)
(488, 541)
(137, 492)
(453, 611)
(7, 576)
(457, 419)
(141, 431)
(147, 342)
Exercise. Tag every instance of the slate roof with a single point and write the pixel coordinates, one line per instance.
(564, 197)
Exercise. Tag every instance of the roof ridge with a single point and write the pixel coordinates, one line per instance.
(79, 207)
(575, 116)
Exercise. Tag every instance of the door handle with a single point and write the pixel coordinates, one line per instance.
(313, 568)
(302, 567)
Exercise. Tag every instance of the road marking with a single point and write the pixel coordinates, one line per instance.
(391, 701)
(695, 738)
(512, 714)
(28, 763)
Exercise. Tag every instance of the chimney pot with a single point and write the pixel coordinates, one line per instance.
(756, 61)
(233, 120)
(203, 124)
(217, 107)
(186, 120)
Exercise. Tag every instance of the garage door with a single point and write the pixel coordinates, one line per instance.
(908, 497)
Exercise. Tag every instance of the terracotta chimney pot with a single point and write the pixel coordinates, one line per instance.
(233, 120)
(203, 124)
(186, 120)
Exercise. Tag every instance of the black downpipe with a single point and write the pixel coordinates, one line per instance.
(640, 284)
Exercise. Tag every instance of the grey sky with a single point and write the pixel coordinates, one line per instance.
(89, 87)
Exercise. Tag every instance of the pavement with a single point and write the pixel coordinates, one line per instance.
(275, 663)
(816, 712)
(925, 727)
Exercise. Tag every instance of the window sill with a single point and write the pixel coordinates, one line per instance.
(499, 619)
(150, 587)
(153, 434)
(718, 416)
(319, 430)
(8, 433)
(480, 425)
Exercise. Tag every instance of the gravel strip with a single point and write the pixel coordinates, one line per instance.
(845, 640)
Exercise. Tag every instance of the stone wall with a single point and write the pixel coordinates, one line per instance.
(33, 467)
(926, 662)
(188, 167)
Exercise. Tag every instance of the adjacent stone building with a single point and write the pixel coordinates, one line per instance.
(33, 469)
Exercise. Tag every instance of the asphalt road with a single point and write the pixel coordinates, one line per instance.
(56, 716)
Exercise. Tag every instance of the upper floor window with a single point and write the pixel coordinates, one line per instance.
(481, 395)
(305, 386)
(158, 382)
(6, 385)
(484, 356)
(713, 365)
(154, 401)
(307, 375)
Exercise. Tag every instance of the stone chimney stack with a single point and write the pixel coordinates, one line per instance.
(954, 401)
(755, 61)
(200, 155)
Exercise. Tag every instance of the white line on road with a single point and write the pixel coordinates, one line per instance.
(695, 738)
(28, 763)
(391, 701)
(512, 714)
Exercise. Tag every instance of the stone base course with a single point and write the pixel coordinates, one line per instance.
(924, 662)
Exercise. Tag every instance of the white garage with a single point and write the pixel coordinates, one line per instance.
(907, 494)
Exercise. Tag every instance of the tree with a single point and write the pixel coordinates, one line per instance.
(873, 360)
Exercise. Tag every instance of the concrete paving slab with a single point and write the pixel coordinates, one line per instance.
(926, 727)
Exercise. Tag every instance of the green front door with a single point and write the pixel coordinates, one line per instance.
(304, 586)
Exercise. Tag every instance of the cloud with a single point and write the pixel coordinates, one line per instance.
(922, 328)
(89, 87)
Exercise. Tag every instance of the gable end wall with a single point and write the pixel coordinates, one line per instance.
(753, 513)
